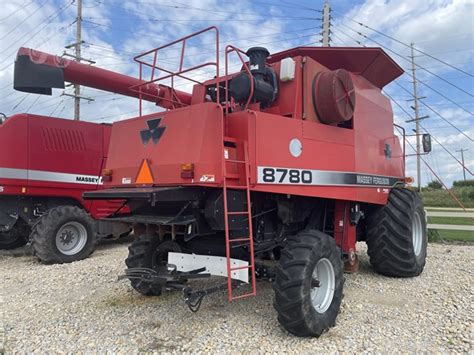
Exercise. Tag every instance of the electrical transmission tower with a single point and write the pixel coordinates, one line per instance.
(77, 56)
(462, 160)
(326, 26)
(417, 118)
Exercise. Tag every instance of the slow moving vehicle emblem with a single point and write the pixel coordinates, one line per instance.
(154, 131)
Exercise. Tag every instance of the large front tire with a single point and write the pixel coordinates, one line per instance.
(396, 235)
(63, 235)
(309, 283)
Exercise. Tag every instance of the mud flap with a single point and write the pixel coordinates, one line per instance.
(215, 265)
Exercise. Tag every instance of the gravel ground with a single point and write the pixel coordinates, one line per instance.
(80, 307)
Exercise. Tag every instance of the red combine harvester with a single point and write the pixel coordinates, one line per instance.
(289, 161)
(45, 166)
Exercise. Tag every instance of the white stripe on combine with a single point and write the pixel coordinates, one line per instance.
(51, 176)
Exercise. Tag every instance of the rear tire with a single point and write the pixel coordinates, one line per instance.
(309, 283)
(63, 235)
(147, 251)
(396, 235)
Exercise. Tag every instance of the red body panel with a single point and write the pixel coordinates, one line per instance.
(50, 157)
(194, 135)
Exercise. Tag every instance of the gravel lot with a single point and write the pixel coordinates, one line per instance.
(82, 307)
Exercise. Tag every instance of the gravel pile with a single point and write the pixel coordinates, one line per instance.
(81, 307)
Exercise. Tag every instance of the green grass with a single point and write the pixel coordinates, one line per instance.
(441, 197)
(451, 220)
(447, 235)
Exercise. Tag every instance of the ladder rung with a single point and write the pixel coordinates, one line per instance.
(241, 267)
(235, 161)
(237, 213)
(232, 176)
(253, 293)
(230, 139)
(237, 187)
(239, 240)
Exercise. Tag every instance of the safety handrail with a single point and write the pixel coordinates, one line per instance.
(229, 49)
(169, 73)
(404, 146)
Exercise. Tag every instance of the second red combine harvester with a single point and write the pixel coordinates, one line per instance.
(273, 172)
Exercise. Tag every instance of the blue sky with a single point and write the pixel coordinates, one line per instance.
(114, 31)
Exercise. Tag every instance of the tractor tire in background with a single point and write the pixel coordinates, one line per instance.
(63, 235)
(147, 251)
(309, 283)
(16, 237)
(396, 235)
(11, 240)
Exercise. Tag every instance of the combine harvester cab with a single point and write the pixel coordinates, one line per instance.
(273, 172)
(45, 166)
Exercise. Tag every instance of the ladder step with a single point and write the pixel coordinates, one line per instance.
(237, 213)
(253, 293)
(239, 240)
(235, 161)
(232, 176)
(241, 267)
(236, 187)
(230, 140)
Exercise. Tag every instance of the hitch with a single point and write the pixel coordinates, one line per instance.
(194, 298)
(168, 279)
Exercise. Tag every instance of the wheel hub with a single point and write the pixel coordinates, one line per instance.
(71, 238)
(417, 233)
(323, 284)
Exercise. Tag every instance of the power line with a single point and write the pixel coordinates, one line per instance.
(429, 107)
(21, 7)
(407, 45)
(183, 6)
(286, 2)
(24, 20)
(436, 112)
(420, 81)
(18, 104)
(434, 138)
(32, 104)
(59, 104)
(51, 18)
(408, 60)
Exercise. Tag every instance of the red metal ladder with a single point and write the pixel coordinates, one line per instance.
(246, 239)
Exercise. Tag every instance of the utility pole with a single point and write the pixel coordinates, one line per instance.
(77, 56)
(326, 26)
(462, 159)
(77, 88)
(417, 118)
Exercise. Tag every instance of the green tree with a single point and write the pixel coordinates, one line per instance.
(435, 185)
(462, 183)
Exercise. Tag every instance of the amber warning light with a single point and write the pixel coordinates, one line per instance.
(187, 171)
(107, 175)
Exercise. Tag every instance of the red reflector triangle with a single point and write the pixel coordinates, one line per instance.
(145, 175)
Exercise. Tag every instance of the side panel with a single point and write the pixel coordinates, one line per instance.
(327, 166)
(190, 135)
(65, 157)
(13, 155)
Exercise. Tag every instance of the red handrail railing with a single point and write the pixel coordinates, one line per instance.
(173, 99)
(229, 49)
